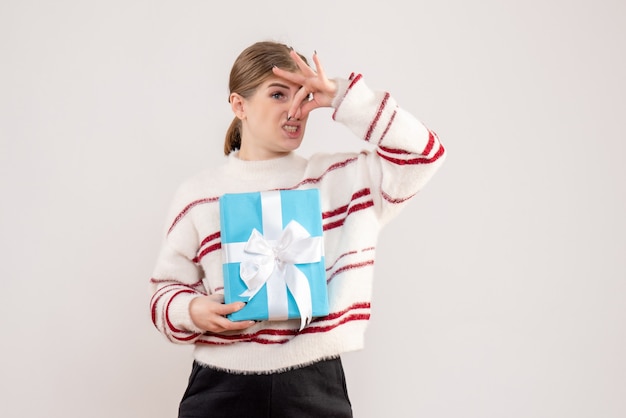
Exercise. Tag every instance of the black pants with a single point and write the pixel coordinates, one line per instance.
(315, 391)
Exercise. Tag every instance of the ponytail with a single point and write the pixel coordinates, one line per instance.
(233, 137)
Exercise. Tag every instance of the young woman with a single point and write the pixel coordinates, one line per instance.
(276, 368)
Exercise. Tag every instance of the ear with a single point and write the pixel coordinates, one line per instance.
(237, 105)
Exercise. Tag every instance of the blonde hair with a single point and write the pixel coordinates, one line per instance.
(251, 68)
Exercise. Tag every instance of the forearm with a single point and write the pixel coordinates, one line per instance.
(169, 308)
(176, 281)
(407, 153)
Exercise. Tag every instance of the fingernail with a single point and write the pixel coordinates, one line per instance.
(314, 52)
(288, 117)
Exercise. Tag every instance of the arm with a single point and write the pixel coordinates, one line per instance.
(407, 153)
(180, 308)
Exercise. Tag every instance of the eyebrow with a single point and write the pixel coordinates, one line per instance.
(276, 84)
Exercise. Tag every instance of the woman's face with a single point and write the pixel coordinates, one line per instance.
(266, 133)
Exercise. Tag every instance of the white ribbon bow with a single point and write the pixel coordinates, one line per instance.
(273, 263)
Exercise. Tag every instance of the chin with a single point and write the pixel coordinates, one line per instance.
(292, 143)
(293, 146)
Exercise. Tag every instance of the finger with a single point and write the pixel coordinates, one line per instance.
(220, 323)
(306, 108)
(318, 66)
(299, 99)
(223, 323)
(239, 325)
(230, 308)
(295, 78)
(226, 324)
(303, 66)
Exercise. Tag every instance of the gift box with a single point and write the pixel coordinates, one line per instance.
(273, 254)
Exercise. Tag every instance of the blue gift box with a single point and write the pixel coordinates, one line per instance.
(273, 255)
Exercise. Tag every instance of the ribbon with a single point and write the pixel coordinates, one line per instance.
(272, 262)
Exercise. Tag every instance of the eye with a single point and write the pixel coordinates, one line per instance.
(277, 95)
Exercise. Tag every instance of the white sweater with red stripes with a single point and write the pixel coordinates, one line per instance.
(360, 193)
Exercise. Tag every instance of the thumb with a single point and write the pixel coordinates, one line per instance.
(232, 307)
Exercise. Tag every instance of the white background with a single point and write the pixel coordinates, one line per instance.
(500, 291)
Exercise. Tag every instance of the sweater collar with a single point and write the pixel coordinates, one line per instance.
(290, 164)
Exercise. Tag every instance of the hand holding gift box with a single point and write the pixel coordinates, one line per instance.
(273, 251)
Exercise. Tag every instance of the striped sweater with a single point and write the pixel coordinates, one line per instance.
(360, 193)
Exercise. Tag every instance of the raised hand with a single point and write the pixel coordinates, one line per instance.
(317, 90)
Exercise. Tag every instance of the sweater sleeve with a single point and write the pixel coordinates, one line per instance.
(406, 154)
(177, 278)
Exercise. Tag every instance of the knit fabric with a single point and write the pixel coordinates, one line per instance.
(360, 193)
